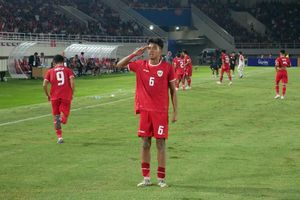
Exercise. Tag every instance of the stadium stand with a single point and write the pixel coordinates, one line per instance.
(282, 20)
(154, 4)
(220, 13)
(40, 17)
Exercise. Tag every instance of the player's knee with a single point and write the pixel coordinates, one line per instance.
(146, 144)
(64, 119)
(160, 144)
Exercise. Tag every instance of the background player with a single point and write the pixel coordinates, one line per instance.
(241, 65)
(281, 63)
(179, 70)
(62, 83)
(154, 79)
(188, 69)
(225, 67)
(232, 60)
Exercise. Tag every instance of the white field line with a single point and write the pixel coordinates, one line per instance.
(73, 110)
(103, 104)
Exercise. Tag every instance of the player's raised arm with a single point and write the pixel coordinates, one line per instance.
(125, 61)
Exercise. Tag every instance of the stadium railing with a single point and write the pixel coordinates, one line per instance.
(267, 45)
(42, 37)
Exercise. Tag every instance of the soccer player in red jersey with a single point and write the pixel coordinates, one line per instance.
(154, 79)
(188, 69)
(178, 64)
(62, 83)
(225, 67)
(281, 63)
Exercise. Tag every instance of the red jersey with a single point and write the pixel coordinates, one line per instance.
(187, 59)
(179, 65)
(282, 63)
(152, 85)
(225, 61)
(59, 78)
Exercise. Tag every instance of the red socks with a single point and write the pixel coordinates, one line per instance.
(161, 172)
(146, 169)
(189, 82)
(58, 133)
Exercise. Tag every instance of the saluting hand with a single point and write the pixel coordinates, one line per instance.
(140, 51)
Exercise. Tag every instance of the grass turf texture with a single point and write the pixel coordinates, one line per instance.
(230, 142)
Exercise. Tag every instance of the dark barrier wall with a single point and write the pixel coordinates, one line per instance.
(267, 61)
(167, 17)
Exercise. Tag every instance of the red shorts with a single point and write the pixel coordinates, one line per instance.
(225, 69)
(179, 76)
(61, 106)
(282, 75)
(153, 124)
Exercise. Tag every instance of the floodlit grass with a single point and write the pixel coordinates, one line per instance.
(230, 142)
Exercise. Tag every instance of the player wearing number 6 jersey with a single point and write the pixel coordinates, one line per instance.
(62, 83)
(154, 79)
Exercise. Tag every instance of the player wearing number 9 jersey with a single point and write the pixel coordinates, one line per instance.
(62, 83)
(154, 79)
(281, 64)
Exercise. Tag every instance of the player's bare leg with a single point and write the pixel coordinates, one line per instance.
(230, 78)
(221, 76)
(189, 81)
(283, 90)
(277, 91)
(183, 82)
(57, 126)
(145, 157)
(161, 159)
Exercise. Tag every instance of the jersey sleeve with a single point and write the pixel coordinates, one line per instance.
(70, 74)
(133, 66)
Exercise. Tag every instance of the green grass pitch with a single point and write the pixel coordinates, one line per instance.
(230, 142)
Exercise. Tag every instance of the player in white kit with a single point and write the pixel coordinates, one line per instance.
(241, 64)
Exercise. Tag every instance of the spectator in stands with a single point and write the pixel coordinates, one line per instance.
(43, 60)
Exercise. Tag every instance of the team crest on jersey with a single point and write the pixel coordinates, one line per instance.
(160, 73)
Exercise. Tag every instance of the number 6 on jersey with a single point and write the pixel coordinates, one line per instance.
(151, 81)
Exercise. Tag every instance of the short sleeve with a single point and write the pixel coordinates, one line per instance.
(70, 74)
(133, 66)
(171, 75)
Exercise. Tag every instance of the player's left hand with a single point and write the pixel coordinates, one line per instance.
(49, 98)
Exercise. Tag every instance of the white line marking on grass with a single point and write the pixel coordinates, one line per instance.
(73, 110)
